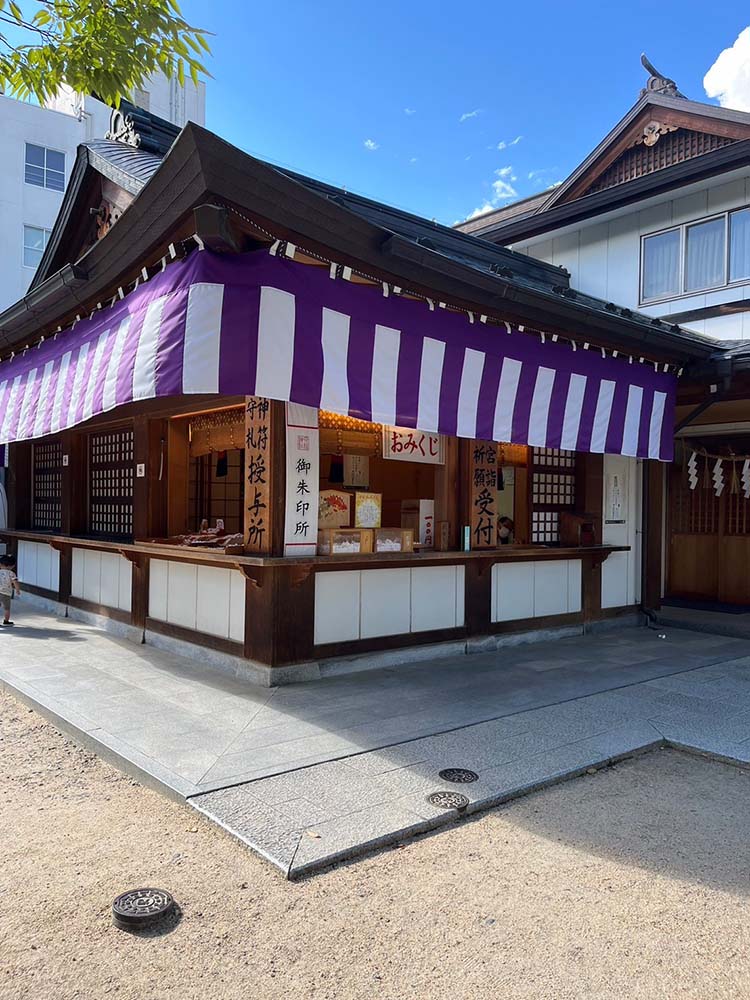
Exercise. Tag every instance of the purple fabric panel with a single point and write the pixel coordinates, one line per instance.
(488, 390)
(453, 366)
(307, 364)
(171, 341)
(238, 359)
(522, 409)
(407, 388)
(557, 408)
(666, 448)
(588, 411)
(359, 367)
(242, 275)
(643, 430)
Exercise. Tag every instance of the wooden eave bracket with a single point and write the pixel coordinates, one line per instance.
(253, 574)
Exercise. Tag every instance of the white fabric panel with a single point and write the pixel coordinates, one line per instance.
(512, 591)
(468, 394)
(27, 396)
(182, 594)
(10, 408)
(200, 357)
(275, 343)
(545, 379)
(109, 399)
(144, 372)
(430, 378)
(62, 379)
(80, 366)
(385, 374)
(602, 415)
(212, 607)
(506, 399)
(42, 400)
(88, 402)
(237, 607)
(657, 419)
(574, 585)
(632, 420)
(572, 415)
(335, 339)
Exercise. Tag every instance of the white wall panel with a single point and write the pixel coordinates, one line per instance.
(207, 599)
(336, 606)
(575, 579)
(158, 588)
(550, 588)
(385, 602)
(39, 565)
(103, 578)
(512, 591)
(434, 598)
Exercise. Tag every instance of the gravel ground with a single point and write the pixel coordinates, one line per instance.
(630, 883)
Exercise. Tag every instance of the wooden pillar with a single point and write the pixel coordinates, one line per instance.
(140, 482)
(178, 469)
(478, 595)
(19, 485)
(653, 516)
(590, 501)
(66, 572)
(157, 474)
(446, 491)
(279, 613)
(139, 589)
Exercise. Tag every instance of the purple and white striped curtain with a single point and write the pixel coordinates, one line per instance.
(255, 324)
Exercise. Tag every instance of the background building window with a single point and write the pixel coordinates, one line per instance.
(739, 245)
(45, 167)
(696, 256)
(34, 243)
(705, 255)
(661, 265)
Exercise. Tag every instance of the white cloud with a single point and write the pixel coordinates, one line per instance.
(470, 114)
(412, 159)
(487, 207)
(371, 145)
(503, 190)
(555, 185)
(728, 79)
(410, 111)
(507, 174)
(504, 145)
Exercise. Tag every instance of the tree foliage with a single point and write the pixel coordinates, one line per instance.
(103, 47)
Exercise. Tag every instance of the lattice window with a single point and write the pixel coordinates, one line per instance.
(46, 488)
(553, 488)
(695, 512)
(111, 483)
(545, 526)
(738, 514)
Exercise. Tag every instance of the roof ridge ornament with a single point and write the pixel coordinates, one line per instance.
(658, 83)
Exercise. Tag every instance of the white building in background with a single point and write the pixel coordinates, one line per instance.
(38, 149)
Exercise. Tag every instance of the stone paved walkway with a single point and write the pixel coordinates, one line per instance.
(310, 773)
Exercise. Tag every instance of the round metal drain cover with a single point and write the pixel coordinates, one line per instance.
(448, 800)
(460, 775)
(140, 908)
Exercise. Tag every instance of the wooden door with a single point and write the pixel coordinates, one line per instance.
(709, 541)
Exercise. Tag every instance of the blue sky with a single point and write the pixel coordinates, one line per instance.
(437, 88)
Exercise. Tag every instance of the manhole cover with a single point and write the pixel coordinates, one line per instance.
(448, 800)
(139, 908)
(460, 775)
